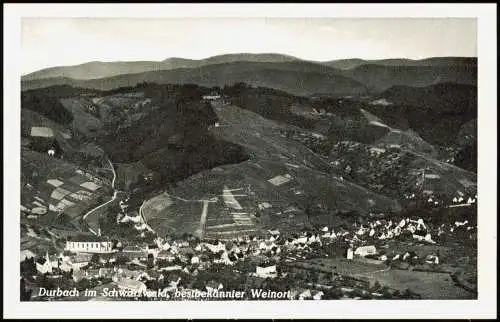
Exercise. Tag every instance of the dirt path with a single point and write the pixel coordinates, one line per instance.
(113, 198)
(203, 218)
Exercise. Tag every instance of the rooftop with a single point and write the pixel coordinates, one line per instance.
(86, 238)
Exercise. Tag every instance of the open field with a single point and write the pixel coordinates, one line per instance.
(341, 266)
(434, 286)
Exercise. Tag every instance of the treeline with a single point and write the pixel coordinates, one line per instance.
(270, 103)
(46, 102)
(173, 140)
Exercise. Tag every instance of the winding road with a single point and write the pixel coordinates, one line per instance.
(113, 198)
(144, 218)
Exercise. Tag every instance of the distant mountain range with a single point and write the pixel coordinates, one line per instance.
(433, 61)
(96, 69)
(282, 72)
(299, 78)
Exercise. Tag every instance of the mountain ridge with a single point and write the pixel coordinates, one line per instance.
(101, 69)
(301, 78)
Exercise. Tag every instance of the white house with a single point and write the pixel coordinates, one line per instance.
(318, 295)
(305, 295)
(213, 286)
(350, 253)
(301, 240)
(88, 244)
(365, 250)
(171, 268)
(46, 267)
(432, 259)
(66, 266)
(212, 96)
(266, 271)
(80, 260)
(131, 285)
(215, 248)
(26, 254)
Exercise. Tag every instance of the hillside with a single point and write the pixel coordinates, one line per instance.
(379, 78)
(97, 69)
(280, 172)
(299, 78)
(398, 173)
(345, 64)
(46, 102)
(436, 112)
(173, 150)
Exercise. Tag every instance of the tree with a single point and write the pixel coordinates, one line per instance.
(83, 284)
(313, 276)
(150, 263)
(25, 293)
(376, 286)
(386, 294)
(28, 267)
(407, 294)
(94, 260)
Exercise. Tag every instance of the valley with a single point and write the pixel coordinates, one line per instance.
(236, 148)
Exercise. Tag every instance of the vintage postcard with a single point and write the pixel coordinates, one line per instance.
(206, 159)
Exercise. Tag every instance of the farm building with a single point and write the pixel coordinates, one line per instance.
(212, 96)
(266, 271)
(131, 285)
(279, 180)
(365, 250)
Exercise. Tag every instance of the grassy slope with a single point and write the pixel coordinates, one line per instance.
(271, 155)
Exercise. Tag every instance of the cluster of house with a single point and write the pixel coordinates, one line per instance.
(384, 229)
(134, 217)
(461, 199)
(191, 256)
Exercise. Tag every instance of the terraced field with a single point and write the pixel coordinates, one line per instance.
(283, 174)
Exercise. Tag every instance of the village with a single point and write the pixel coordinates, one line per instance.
(324, 264)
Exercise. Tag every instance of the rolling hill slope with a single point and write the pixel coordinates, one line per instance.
(436, 112)
(280, 172)
(97, 69)
(345, 64)
(299, 78)
(379, 78)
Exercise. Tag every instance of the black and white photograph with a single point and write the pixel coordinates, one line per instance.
(258, 159)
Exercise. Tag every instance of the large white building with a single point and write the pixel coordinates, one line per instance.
(88, 244)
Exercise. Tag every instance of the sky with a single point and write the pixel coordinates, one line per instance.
(49, 42)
